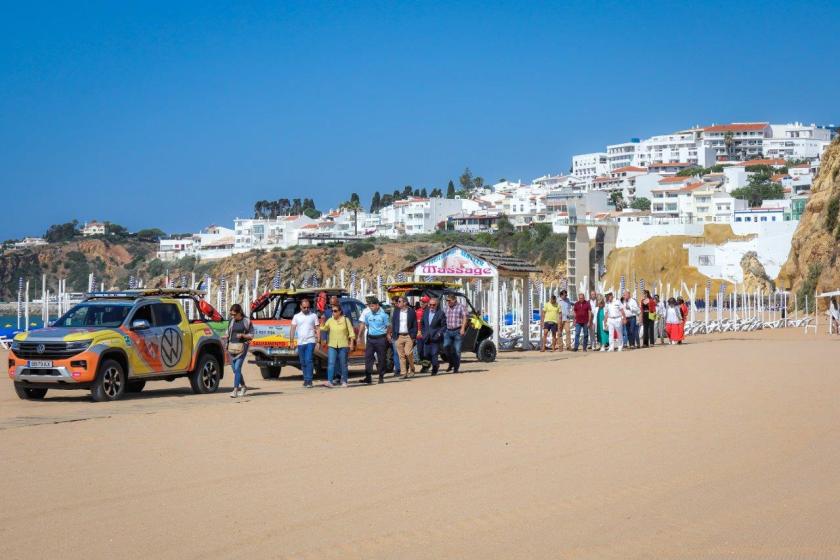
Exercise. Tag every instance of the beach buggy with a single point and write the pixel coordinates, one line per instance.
(478, 337)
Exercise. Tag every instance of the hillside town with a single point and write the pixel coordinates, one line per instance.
(694, 176)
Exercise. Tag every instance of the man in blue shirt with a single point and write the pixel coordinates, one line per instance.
(377, 323)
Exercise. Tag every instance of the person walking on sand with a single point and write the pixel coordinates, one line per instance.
(433, 326)
(565, 321)
(674, 322)
(341, 340)
(377, 323)
(594, 339)
(601, 326)
(633, 316)
(549, 318)
(583, 318)
(239, 335)
(456, 326)
(684, 310)
(419, 342)
(615, 320)
(304, 330)
(648, 319)
(404, 329)
(661, 308)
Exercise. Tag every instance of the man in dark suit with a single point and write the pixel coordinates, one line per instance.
(404, 331)
(433, 327)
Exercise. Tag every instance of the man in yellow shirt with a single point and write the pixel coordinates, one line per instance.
(549, 317)
(342, 338)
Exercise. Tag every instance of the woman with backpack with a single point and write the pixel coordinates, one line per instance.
(341, 341)
(674, 322)
(239, 335)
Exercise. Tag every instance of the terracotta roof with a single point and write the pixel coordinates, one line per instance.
(674, 180)
(778, 177)
(692, 187)
(672, 164)
(737, 127)
(801, 166)
(774, 161)
(310, 226)
(629, 168)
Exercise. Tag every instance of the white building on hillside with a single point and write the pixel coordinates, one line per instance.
(93, 228)
(213, 242)
(796, 141)
(416, 215)
(589, 166)
(260, 233)
(31, 242)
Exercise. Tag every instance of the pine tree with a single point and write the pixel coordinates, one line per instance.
(375, 202)
(450, 190)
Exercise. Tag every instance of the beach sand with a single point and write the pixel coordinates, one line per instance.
(725, 447)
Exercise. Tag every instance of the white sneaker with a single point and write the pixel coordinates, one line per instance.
(242, 391)
(344, 384)
(603, 349)
(621, 348)
(234, 393)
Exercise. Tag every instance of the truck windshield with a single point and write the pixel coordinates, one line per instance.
(103, 315)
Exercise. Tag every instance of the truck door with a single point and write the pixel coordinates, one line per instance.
(144, 357)
(175, 337)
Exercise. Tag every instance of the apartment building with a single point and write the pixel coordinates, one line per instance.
(416, 215)
(589, 166)
(259, 233)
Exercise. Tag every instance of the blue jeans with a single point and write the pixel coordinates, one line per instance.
(452, 344)
(339, 356)
(305, 352)
(585, 328)
(236, 363)
(396, 357)
(632, 331)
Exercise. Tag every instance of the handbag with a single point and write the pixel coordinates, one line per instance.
(651, 315)
(236, 348)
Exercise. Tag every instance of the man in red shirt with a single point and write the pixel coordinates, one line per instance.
(583, 316)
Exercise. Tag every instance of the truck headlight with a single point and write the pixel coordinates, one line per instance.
(79, 345)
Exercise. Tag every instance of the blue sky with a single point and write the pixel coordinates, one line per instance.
(181, 114)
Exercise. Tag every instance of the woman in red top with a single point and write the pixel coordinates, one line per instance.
(648, 320)
(683, 310)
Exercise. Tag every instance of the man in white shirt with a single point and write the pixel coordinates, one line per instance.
(614, 319)
(633, 312)
(305, 331)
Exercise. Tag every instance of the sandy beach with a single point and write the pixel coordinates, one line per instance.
(726, 447)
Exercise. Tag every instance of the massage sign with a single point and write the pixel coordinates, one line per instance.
(455, 262)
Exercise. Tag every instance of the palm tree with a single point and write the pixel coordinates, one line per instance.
(728, 141)
(355, 207)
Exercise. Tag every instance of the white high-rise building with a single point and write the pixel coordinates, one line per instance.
(796, 141)
(589, 166)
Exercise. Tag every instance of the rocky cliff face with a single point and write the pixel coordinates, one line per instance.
(813, 260)
(755, 277)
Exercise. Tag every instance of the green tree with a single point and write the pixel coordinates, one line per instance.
(62, 232)
(312, 213)
(466, 179)
(355, 198)
(640, 203)
(450, 190)
(617, 200)
(424, 193)
(116, 230)
(375, 202)
(478, 183)
(150, 234)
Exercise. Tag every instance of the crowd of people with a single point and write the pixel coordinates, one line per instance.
(609, 323)
(416, 334)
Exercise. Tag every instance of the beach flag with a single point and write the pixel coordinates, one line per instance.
(275, 284)
(621, 284)
(642, 285)
(92, 283)
(20, 301)
(353, 283)
(401, 276)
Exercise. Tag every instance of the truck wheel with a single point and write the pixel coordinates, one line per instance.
(134, 386)
(29, 393)
(205, 378)
(486, 351)
(270, 372)
(110, 382)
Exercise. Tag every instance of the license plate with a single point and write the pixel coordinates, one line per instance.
(35, 364)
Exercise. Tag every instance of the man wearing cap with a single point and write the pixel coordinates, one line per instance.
(456, 326)
(376, 322)
(614, 319)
